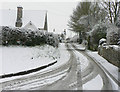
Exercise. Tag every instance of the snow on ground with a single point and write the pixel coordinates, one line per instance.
(36, 83)
(43, 82)
(94, 84)
(79, 46)
(80, 57)
(46, 52)
(63, 55)
(16, 59)
(114, 85)
(83, 60)
(113, 70)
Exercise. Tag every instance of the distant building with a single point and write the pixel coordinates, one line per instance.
(23, 18)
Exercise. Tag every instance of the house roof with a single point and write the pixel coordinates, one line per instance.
(8, 17)
(30, 25)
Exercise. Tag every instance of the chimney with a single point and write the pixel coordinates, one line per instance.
(19, 17)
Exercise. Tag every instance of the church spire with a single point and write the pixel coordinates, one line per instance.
(45, 23)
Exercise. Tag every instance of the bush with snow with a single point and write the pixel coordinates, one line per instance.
(101, 41)
(99, 31)
(110, 53)
(112, 35)
(52, 39)
(118, 41)
(27, 37)
(19, 36)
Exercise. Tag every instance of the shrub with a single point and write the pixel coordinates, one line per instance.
(113, 35)
(99, 31)
(17, 36)
(24, 37)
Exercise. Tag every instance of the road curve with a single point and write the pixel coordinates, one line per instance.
(106, 82)
(73, 79)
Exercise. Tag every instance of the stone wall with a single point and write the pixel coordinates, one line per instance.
(110, 53)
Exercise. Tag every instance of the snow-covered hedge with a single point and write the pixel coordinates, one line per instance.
(111, 53)
(19, 36)
(26, 37)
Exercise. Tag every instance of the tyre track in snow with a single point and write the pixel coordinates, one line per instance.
(87, 74)
(71, 76)
(31, 84)
(106, 82)
(64, 83)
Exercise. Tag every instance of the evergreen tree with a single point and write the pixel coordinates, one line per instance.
(91, 12)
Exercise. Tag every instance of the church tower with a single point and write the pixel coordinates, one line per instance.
(19, 17)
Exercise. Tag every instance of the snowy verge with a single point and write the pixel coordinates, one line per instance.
(17, 58)
(62, 54)
(112, 69)
(109, 68)
(44, 55)
(27, 71)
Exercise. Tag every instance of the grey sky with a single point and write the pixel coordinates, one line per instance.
(58, 12)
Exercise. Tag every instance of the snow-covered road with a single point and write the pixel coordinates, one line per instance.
(83, 74)
(97, 73)
(80, 72)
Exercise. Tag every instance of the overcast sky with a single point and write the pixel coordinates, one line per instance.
(58, 12)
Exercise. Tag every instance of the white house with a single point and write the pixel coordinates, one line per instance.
(31, 26)
(23, 18)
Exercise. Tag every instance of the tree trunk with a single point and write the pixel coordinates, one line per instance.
(80, 37)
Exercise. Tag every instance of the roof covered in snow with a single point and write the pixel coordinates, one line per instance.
(31, 26)
(8, 17)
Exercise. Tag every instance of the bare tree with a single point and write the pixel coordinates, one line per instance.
(112, 8)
